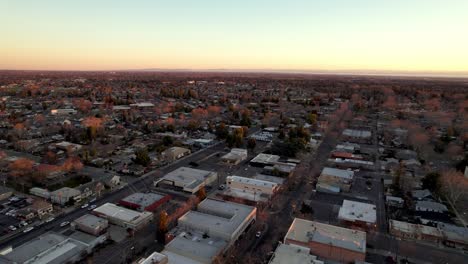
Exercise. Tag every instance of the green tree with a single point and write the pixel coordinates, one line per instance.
(142, 157)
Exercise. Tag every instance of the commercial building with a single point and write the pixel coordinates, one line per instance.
(263, 159)
(293, 254)
(194, 248)
(144, 201)
(39, 192)
(123, 217)
(90, 224)
(174, 153)
(65, 195)
(219, 218)
(154, 258)
(328, 241)
(204, 234)
(188, 179)
(235, 157)
(337, 178)
(414, 231)
(49, 248)
(358, 214)
(250, 189)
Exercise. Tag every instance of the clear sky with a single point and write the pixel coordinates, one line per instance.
(389, 35)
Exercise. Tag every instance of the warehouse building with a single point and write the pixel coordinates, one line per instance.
(204, 234)
(188, 179)
(123, 217)
(90, 224)
(250, 189)
(52, 248)
(144, 201)
(328, 241)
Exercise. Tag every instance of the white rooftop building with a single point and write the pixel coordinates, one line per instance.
(293, 254)
(263, 159)
(154, 258)
(204, 234)
(219, 218)
(236, 156)
(250, 189)
(188, 179)
(122, 216)
(357, 212)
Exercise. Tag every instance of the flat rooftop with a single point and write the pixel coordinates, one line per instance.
(191, 247)
(219, 216)
(293, 254)
(249, 181)
(121, 213)
(51, 248)
(187, 176)
(265, 158)
(357, 211)
(338, 173)
(91, 221)
(305, 231)
(154, 258)
(143, 199)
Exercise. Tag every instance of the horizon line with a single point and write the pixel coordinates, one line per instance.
(388, 73)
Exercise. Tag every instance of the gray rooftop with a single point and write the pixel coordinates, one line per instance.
(143, 199)
(338, 173)
(91, 221)
(304, 231)
(51, 248)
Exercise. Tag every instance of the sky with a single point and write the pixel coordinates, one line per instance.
(330, 35)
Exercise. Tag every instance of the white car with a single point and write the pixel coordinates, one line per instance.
(50, 219)
(64, 223)
(28, 229)
(12, 228)
(92, 207)
(84, 205)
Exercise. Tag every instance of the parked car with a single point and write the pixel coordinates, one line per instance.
(12, 228)
(92, 207)
(258, 234)
(28, 229)
(64, 223)
(84, 205)
(50, 219)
